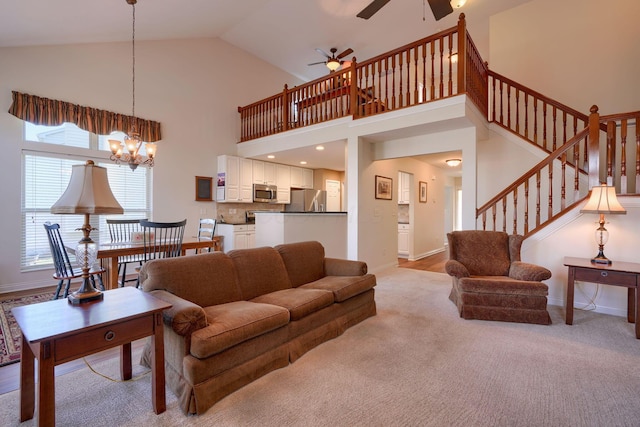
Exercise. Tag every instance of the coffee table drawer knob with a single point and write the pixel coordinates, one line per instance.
(109, 336)
(604, 273)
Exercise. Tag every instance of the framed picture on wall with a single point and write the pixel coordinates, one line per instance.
(204, 192)
(422, 189)
(384, 187)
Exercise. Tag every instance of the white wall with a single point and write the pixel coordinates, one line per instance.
(183, 84)
(578, 52)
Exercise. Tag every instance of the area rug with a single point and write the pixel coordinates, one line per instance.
(10, 335)
(416, 363)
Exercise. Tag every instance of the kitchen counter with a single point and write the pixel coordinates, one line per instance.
(328, 228)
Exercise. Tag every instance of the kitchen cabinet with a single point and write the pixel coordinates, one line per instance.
(264, 172)
(235, 179)
(403, 240)
(283, 182)
(301, 177)
(237, 236)
(404, 188)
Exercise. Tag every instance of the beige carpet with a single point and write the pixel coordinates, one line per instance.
(415, 363)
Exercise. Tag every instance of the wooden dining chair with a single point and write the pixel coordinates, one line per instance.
(161, 240)
(206, 231)
(121, 231)
(62, 264)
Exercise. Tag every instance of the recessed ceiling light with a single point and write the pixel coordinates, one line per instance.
(319, 147)
(303, 162)
(271, 156)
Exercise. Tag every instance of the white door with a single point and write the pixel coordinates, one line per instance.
(333, 195)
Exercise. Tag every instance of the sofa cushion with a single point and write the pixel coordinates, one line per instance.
(233, 323)
(259, 271)
(299, 302)
(484, 253)
(502, 285)
(343, 287)
(205, 279)
(304, 261)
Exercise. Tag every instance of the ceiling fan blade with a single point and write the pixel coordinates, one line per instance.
(322, 52)
(370, 10)
(440, 8)
(345, 53)
(316, 63)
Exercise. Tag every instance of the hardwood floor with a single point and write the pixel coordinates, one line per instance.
(433, 263)
(10, 375)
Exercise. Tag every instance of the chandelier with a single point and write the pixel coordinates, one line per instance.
(132, 141)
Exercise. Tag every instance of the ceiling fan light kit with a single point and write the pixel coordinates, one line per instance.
(333, 62)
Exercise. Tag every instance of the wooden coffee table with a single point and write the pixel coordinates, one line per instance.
(56, 332)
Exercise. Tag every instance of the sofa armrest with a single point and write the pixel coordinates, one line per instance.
(184, 317)
(456, 269)
(344, 267)
(524, 271)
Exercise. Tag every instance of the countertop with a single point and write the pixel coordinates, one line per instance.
(304, 213)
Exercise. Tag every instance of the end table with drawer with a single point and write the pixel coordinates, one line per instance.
(56, 332)
(626, 274)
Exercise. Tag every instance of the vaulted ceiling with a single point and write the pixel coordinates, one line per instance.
(284, 33)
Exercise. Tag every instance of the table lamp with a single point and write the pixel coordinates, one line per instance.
(602, 201)
(88, 193)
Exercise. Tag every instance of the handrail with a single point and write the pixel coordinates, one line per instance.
(570, 149)
(533, 114)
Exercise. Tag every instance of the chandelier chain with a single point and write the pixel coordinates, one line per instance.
(133, 66)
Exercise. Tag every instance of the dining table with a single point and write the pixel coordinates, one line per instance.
(108, 254)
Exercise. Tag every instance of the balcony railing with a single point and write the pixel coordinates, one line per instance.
(436, 67)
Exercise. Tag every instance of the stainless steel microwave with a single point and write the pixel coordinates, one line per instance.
(265, 193)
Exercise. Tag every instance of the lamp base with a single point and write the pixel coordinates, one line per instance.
(86, 293)
(600, 258)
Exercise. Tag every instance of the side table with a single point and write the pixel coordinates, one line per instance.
(626, 274)
(56, 332)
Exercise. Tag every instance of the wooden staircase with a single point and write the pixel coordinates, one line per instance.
(583, 151)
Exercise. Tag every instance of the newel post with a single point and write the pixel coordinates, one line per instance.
(353, 89)
(593, 148)
(285, 109)
(462, 54)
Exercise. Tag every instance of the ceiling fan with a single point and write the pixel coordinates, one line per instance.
(440, 8)
(333, 62)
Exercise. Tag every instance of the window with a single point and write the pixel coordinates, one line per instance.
(46, 172)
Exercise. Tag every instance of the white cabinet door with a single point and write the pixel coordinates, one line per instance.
(269, 173)
(296, 177)
(246, 180)
(307, 178)
(404, 188)
(228, 169)
(283, 182)
(258, 172)
(403, 239)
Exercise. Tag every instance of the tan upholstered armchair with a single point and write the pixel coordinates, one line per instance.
(490, 282)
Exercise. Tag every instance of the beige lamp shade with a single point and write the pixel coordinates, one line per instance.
(88, 192)
(603, 200)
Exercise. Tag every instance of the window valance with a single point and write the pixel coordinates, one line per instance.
(50, 112)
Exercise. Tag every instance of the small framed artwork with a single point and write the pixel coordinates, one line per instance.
(384, 187)
(422, 195)
(204, 191)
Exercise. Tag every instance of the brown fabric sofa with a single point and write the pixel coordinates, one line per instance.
(490, 282)
(238, 316)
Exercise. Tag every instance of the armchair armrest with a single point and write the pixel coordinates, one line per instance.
(184, 317)
(524, 271)
(456, 269)
(344, 267)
